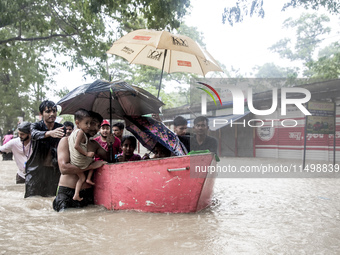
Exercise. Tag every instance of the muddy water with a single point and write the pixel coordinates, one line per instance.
(249, 216)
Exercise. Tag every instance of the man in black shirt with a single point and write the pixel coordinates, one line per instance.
(42, 172)
(180, 128)
(201, 140)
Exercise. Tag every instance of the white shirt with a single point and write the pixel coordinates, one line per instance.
(21, 153)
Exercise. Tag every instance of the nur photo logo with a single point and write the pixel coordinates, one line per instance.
(204, 98)
(239, 99)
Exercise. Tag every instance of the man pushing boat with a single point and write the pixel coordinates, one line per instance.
(69, 177)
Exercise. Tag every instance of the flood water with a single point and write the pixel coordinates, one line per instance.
(249, 216)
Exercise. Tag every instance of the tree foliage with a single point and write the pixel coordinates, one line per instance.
(310, 31)
(333, 6)
(328, 64)
(242, 8)
(270, 70)
(37, 36)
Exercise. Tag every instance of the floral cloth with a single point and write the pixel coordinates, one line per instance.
(150, 132)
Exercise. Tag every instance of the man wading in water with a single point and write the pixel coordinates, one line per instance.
(42, 173)
(69, 177)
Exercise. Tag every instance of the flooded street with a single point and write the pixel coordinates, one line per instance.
(249, 216)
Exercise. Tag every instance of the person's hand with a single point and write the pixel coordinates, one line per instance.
(146, 156)
(110, 139)
(96, 164)
(120, 158)
(90, 154)
(57, 133)
(156, 117)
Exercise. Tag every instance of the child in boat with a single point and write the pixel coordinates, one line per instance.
(159, 152)
(129, 144)
(79, 154)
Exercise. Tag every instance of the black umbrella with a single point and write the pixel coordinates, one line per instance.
(112, 100)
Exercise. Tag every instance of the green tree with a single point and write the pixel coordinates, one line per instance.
(36, 36)
(270, 75)
(270, 70)
(236, 13)
(310, 31)
(328, 64)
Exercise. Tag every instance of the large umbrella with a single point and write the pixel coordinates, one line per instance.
(165, 51)
(112, 100)
(150, 132)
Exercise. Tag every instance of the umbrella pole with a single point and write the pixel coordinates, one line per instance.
(110, 147)
(110, 105)
(160, 82)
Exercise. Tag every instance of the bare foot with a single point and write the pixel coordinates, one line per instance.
(90, 182)
(77, 198)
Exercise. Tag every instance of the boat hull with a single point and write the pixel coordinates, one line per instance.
(149, 186)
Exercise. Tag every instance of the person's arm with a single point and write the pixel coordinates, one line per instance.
(7, 147)
(37, 133)
(55, 133)
(117, 145)
(80, 138)
(100, 152)
(65, 166)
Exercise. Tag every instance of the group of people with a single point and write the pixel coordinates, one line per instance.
(200, 140)
(52, 158)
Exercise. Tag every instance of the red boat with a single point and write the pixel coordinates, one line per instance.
(157, 185)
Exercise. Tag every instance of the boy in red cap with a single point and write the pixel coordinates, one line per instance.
(104, 132)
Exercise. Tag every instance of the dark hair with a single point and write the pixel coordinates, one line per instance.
(48, 104)
(180, 121)
(25, 127)
(130, 138)
(119, 125)
(201, 118)
(96, 116)
(10, 132)
(166, 152)
(68, 124)
(81, 114)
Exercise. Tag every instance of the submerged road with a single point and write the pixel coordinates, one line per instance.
(249, 216)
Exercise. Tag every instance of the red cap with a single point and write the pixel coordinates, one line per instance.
(105, 122)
